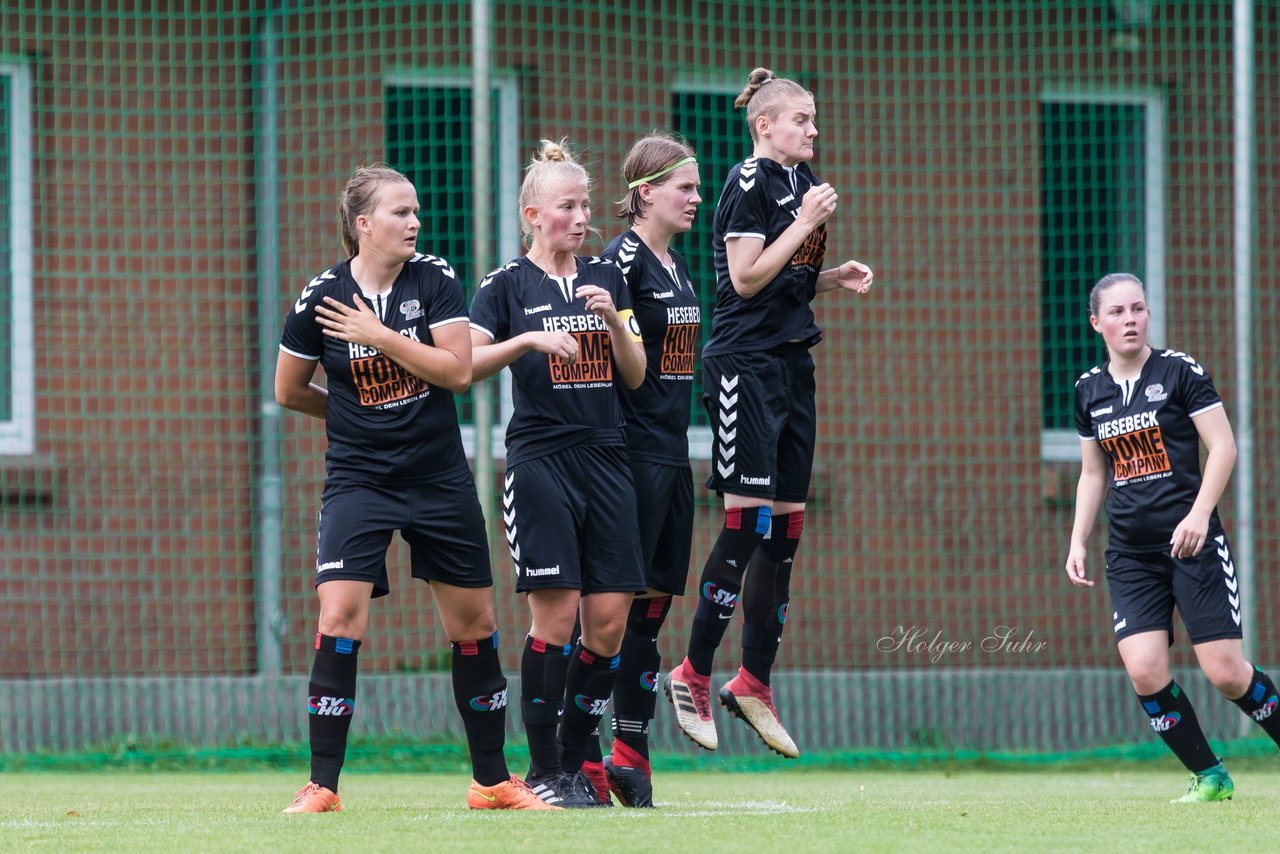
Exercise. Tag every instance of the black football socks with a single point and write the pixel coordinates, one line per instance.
(1174, 720)
(480, 692)
(588, 685)
(635, 696)
(721, 581)
(1262, 703)
(766, 594)
(542, 676)
(331, 700)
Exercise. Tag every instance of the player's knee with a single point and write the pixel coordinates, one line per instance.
(1148, 676)
(605, 635)
(341, 620)
(553, 622)
(469, 617)
(1231, 677)
(342, 625)
(481, 627)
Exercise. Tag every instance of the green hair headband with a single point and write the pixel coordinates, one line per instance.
(656, 175)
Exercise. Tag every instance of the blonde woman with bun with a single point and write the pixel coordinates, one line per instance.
(563, 324)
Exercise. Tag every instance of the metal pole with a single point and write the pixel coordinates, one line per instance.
(482, 225)
(270, 498)
(1243, 216)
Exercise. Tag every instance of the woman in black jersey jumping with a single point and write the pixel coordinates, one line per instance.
(389, 327)
(565, 327)
(661, 174)
(1141, 416)
(769, 242)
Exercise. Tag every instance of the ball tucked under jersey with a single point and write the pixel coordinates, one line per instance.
(1144, 427)
(383, 423)
(670, 319)
(558, 404)
(761, 199)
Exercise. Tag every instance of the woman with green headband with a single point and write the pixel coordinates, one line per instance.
(770, 241)
(662, 198)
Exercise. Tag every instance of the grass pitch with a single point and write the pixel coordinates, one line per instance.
(790, 811)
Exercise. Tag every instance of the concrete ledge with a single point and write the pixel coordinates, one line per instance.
(973, 709)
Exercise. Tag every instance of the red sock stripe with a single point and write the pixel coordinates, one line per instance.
(537, 644)
(656, 605)
(733, 518)
(469, 647)
(586, 656)
(317, 640)
(795, 524)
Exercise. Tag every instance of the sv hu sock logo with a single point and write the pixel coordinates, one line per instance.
(331, 706)
(1267, 709)
(490, 702)
(592, 707)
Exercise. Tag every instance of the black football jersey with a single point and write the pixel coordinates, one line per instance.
(761, 198)
(556, 404)
(1144, 427)
(670, 319)
(383, 423)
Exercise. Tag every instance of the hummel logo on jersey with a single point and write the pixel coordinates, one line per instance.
(1094, 370)
(1164, 723)
(438, 262)
(489, 278)
(1233, 584)
(301, 305)
(537, 308)
(1175, 354)
(333, 564)
(330, 706)
(755, 481)
(538, 572)
(748, 175)
(664, 295)
(728, 414)
(787, 198)
(1097, 413)
(626, 254)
